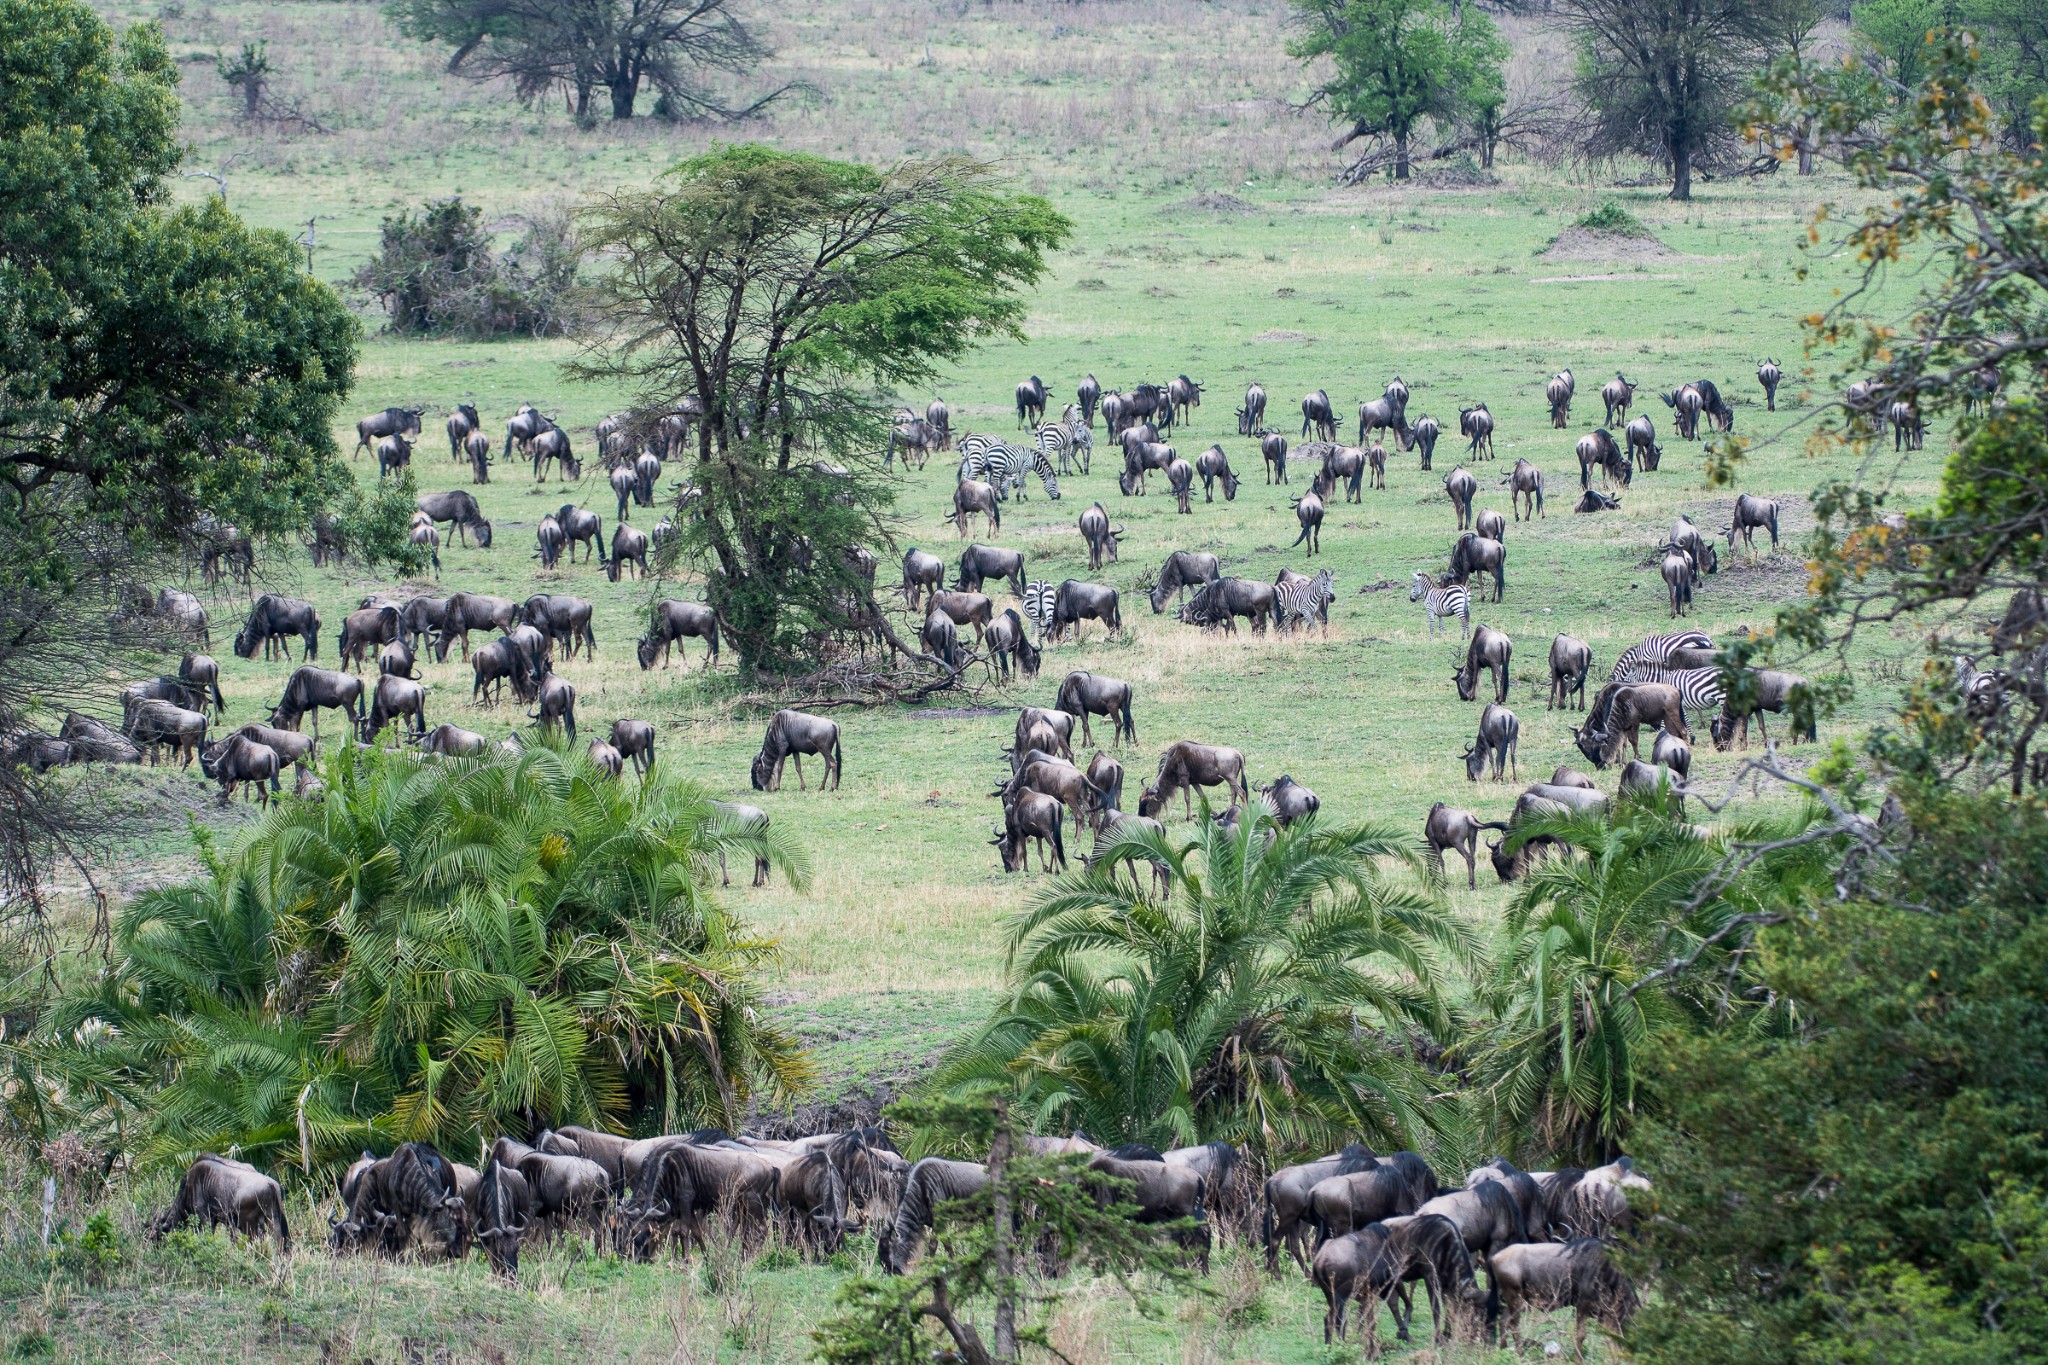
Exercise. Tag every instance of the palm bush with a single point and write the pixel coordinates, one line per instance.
(1273, 996)
(435, 951)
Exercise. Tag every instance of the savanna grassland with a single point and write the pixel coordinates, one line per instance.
(1209, 240)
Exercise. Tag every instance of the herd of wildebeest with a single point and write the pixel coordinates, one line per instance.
(1365, 1227)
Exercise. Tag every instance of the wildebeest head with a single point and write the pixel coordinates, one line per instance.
(639, 1228)
(763, 768)
(645, 649)
(1467, 680)
(501, 1247)
(1592, 743)
(1475, 761)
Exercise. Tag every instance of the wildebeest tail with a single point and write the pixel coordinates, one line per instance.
(1059, 846)
(1130, 725)
(276, 1210)
(1303, 536)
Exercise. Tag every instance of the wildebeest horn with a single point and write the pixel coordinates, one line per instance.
(333, 1220)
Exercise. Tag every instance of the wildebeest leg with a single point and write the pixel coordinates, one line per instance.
(798, 759)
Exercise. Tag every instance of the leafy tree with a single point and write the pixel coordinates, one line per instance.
(158, 366)
(1399, 63)
(1895, 33)
(791, 295)
(619, 46)
(436, 275)
(1269, 997)
(2013, 37)
(434, 951)
(1664, 77)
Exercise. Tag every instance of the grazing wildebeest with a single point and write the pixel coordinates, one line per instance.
(1273, 456)
(1285, 1200)
(1287, 801)
(272, 620)
(1713, 405)
(1086, 694)
(1077, 601)
(972, 497)
(1183, 569)
(181, 611)
(580, 526)
(1489, 651)
(502, 1211)
(1031, 402)
(424, 537)
(1474, 554)
(467, 611)
(1498, 737)
(224, 1191)
(634, 741)
(629, 546)
(605, 758)
(1685, 536)
(1597, 449)
(393, 698)
(238, 759)
(1059, 722)
(1186, 765)
(463, 423)
(1162, 1193)
(1180, 481)
(940, 639)
(460, 509)
(1570, 660)
(551, 539)
(1212, 464)
(1751, 513)
(922, 572)
(1220, 604)
(1549, 1275)
(1061, 780)
(1430, 1249)
(556, 701)
(673, 621)
(1669, 751)
(1490, 525)
(390, 422)
(1007, 640)
(1251, 418)
(1686, 404)
(1768, 375)
(1341, 464)
(309, 689)
(1774, 692)
(393, 454)
(1317, 413)
(200, 673)
(1641, 435)
(565, 1188)
(1100, 536)
(1108, 774)
(1618, 394)
(915, 437)
(931, 1182)
(365, 629)
(1447, 827)
(552, 443)
(980, 563)
(1593, 500)
(1028, 816)
(386, 1197)
(561, 618)
(1620, 710)
(1308, 510)
(790, 735)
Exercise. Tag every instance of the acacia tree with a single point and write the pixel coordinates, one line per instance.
(1401, 63)
(620, 46)
(791, 294)
(1664, 77)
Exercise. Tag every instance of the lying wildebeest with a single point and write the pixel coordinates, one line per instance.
(1285, 1198)
(453, 741)
(1007, 640)
(1273, 457)
(1099, 536)
(1086, 694)
(1212, 464)
(92, 741)
(1220, 604)
(1288, 801)
(581, 526)
(1570, 660)
(556, 705)
(272, 620)
(1558, 392)
(1490, 651)
(1775, 691)
(1186, 765)
(561, 618)
(790, 735)
(1499, 735)
(1076, 601)
(365, 629)
(1751, 515)
(1618, 394)
(629, 546)
(931, 1182)
(460, 510)
(200, 673)
(675, 620)
(153, 724)
(467, 611)
(1620, 710)
(1183, 569)
(980, 563)
(1027, 816)
(1308, 510)
(238, 759)
(1593, 500)
(390, 422)
(1575, 1274)
(1447, 827)
(224, 1191)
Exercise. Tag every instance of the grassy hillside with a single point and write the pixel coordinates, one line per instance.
(1209, 242)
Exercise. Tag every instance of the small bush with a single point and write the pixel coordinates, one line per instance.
(436, 274)
(1612, 217)
(33, 1345)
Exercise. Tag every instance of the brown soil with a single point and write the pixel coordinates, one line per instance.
(1591, 244)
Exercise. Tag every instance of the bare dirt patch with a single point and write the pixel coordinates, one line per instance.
(1210, 201)
(1282, 334)
(1592, 244)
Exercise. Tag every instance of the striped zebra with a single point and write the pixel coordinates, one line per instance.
(1442, 602)
(1005, 466)
(1699, 689)
(1068, 441)
(1299, 601)
(1656, 651)
(1038, 599)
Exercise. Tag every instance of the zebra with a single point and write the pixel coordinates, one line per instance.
(1302, 600)
(1441, 602)
(1656, 651)
(1069, 440)
(1699, 689)
(1038, 600)
(1005, 465)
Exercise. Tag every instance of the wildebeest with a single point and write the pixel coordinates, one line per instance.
(1031, 402)
(552, 443)
(1447, 827)
(1548, 1275)
(581, 526)
(1499, 735)
(390, 422)
(1618, 394)
(940, 639)
(1558, 393)
(561, 618)
(502, 1211)
(224, 1191)
(91, 741)
(393, 454)
(1108, 774)
(1251, 418)
(395, 697)
(1288, 801)
(1490, 525)
(467, 611)
(675, 620)
(1088, 393)
(556, 705)
(1486, 1216)
(1027, 816)
(1220, 604)
(1775, 691)
(1343, 1203)
(200, 673)
(494, 664)
(629, 546)
(566, 1188)
(522, 427)
(1570, 660)
(1685, 536)
(964, 609)
(740, 818)
(980, 563)
(1476, 425)
(1361, 1265)
(459, 509)
(1317, 413)
(634, 741)
(386, 1197)
(1060, 723)
(1086, 694)
(551, 538)
(1620, 710)
(1100, 536)
(1007, 640)
(1768, 375)
(462, 424)
(1341, 464)
(1186, 765)
(309, 689)
(453, 741)
(181, 611)
(1285, 1200)
(1212, 464)
(1184, 395)
(1076, 601)
(1751, 514)
(1183, 569)
(1462, 487)
(972, 497)
(478, 449)
(1686, 404)
(1641, 436)
(1431, 1250)
(1474, 554)
(606, 758)
(1489, 651)
(1162, 1193)
(1598, 450)
(363, 630)
(790, 735)
(272, 619)
(624, 488)
(1308, 510)
(931, 1182)
(923, 572)
(237, 760)
(1593, 500)
(1061, 780)
(1273, 457)
(1525, 485)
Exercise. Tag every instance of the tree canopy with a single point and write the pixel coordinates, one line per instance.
(792, 295)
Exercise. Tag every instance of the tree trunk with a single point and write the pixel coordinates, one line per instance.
(1006, 1253)
(1401, 154)
(625, 90)
(582, 98)
(1805, 136)
(1681, 171)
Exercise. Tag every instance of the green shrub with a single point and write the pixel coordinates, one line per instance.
(1612, 217)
